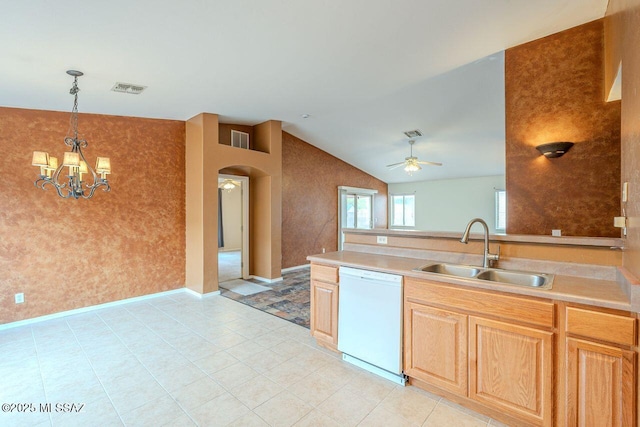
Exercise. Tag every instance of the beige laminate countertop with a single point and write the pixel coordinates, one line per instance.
(600, 293)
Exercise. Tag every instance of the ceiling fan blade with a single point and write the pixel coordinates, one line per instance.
(429, 163)
(395, 164)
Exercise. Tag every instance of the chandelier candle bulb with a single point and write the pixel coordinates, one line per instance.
(83, 168)
(52, 166)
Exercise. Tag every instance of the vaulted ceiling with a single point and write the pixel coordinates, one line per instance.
(363, 70)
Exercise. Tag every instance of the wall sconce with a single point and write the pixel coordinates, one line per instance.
(554, 149)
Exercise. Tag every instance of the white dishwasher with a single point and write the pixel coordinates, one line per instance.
(370, 321)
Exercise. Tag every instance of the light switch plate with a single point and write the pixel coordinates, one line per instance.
(382, 240)
(556, 233)
(625, 192)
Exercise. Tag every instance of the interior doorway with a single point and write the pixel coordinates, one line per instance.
(233, 227)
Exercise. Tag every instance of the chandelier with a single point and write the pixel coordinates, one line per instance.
(74, 160)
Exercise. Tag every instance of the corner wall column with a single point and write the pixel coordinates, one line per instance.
(201, 203)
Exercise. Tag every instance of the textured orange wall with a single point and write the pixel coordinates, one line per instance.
(310, 180)
(625, 17)
(66, 254)
(555, 92)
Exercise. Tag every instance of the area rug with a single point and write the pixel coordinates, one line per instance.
(243, 287)
(288, 299)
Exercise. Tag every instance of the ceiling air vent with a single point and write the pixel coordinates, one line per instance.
(413, 133)
(128, 88)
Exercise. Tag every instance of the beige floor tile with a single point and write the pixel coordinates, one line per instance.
(370, 386)
(338, 372)
(445, 416)
(412, 406)
(256, 391)
(270, 339)
(229, 340)
(314, 388)
(464, 410)
(133, 398)
(283, 410)
(197, 393)
(380, 417)
(312, 359)
(253, 331)
(216, 362)
(220, 411)
(289, 348)
(264, 360)
(175, 378)
(154, 413)
(347, 407)
(249, 420)
(245, 350)
(316, 418)
(183, 420)
(233, 375)
(286, 373)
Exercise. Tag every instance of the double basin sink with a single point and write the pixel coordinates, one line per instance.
(511, 277)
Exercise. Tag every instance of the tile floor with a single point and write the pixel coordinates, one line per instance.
(181, 361)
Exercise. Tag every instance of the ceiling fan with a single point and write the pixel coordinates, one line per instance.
(229, 184)
(412, 164)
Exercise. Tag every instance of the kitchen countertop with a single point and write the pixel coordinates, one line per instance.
(600, 293)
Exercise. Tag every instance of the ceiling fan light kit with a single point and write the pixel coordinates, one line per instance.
(412, 164)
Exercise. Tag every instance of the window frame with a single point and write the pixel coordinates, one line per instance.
(391, 210)
(501, 230)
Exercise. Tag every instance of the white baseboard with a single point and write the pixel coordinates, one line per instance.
(265, 280)
(199, 295)
(98, 307)
(297, 267)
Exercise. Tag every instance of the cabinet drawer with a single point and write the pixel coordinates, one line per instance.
(602, 326)
(324, 273)
(518, 309)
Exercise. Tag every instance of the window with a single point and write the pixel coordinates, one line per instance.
(501, 211)
(403, 210)
(355, 209)
(358, 211)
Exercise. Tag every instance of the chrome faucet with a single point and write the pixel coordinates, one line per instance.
(488, 257)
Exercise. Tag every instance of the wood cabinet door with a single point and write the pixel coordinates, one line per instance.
(436, 347)
(511, 369)
(600, 384)
(324, 311)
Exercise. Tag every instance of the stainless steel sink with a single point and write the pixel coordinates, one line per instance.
(511, 277)
(451, 269)
(520, 278)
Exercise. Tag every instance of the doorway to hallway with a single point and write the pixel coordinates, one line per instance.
(233, 227)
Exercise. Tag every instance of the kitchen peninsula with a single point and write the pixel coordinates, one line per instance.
(522, 355)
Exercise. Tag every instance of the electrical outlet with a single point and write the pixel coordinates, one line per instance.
(19, 298)
(381, 240)
(556, 233)
(323, 250)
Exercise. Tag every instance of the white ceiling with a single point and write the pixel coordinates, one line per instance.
(364, 70)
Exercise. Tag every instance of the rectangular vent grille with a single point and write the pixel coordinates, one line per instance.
(239, 139)
(413, 133)
(128, 88)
